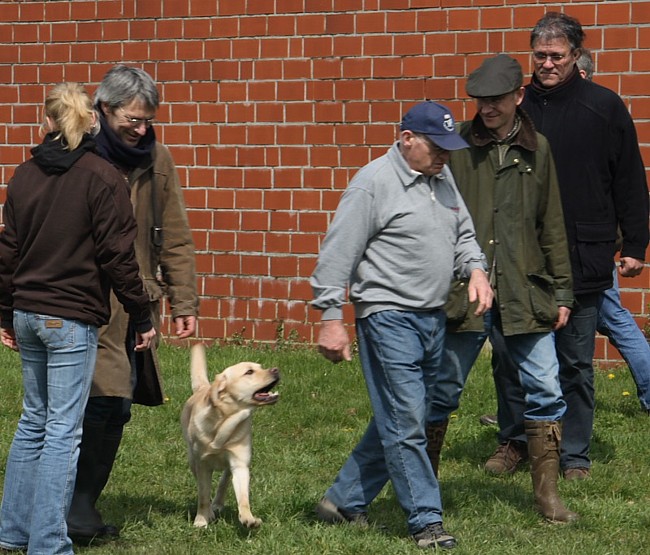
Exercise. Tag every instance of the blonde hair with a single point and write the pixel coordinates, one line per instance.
(71, 114)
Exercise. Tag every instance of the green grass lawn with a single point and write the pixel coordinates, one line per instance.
(300, 443)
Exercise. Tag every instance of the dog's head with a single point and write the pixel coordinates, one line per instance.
(246, 384)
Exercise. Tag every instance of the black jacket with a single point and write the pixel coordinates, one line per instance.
(68, 238)
(600, 172)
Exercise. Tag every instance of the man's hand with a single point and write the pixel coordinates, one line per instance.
(143, 340)
(479, 290)
(333, 341)
(630, 267)
(8, 338)
(562, 319)
(185, 326)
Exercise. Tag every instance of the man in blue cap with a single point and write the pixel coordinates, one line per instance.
(507, 179)
(400, 234)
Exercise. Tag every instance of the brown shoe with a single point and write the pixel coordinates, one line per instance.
(507, 458)
(577, 473)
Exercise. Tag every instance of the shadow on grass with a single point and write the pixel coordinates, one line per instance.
(138, 511)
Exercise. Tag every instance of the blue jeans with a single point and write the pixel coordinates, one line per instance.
(616, 323)
(574, 345)
(534, 358)
(58, 360)
(400, 354)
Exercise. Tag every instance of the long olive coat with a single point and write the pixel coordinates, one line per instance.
(514, 200)
(167, 270)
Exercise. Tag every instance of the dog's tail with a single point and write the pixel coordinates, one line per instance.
(198, 366)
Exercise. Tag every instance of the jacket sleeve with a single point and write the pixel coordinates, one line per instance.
(468, 255)
(341, 251)
(8, 261)
(629, 187)
(176, 258)
(552, 236)
(114, 233)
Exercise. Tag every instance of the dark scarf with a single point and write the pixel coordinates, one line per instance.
(53, 156)
(538, 88)
(116, 151)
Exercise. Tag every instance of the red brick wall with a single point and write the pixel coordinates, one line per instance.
(269, 106)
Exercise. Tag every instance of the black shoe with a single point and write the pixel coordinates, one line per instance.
(330, 513)
(107, 532)
(433, 536)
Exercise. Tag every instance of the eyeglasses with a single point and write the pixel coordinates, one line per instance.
(555, 58)
(137, 122)
(435, 150)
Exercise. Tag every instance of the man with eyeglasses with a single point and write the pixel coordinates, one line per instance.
(603, 188)
(508, 182)
(127, 101)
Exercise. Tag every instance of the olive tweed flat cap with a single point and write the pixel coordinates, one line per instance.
(494, 77)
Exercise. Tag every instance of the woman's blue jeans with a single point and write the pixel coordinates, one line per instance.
(58, 361)
(400, 355)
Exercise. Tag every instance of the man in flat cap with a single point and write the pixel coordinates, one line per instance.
(400, 234)
(507, 179)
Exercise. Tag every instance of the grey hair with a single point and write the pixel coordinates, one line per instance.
(556, 25)
(586, 63)
(122, 84)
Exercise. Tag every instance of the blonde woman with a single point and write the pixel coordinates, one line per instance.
(68, 240)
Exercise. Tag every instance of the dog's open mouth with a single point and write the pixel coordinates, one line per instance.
(265, 395)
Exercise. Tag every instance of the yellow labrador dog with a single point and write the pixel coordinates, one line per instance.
(216, 422)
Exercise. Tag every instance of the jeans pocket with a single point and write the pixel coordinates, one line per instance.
(56, 333)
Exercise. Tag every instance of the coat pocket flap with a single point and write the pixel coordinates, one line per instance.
(595, 232)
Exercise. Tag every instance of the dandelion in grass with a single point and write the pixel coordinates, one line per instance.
(611, 376)
(626, 394)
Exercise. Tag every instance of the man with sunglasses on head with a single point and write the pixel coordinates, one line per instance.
(603, 188)
(127, 101)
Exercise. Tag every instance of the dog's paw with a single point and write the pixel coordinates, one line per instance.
(202, 521)
(250, 521)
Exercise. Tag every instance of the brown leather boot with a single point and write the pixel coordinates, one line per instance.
(435, 438)
(507, 458)
(544, 453)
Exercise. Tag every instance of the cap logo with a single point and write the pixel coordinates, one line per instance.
(448, 123)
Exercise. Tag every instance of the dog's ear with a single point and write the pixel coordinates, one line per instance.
(218, 387)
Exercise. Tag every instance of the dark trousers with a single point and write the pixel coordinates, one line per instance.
(111, 412)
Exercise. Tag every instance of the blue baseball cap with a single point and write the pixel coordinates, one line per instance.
(436, 122)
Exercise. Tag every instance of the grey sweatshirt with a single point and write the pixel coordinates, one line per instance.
(397, 240)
